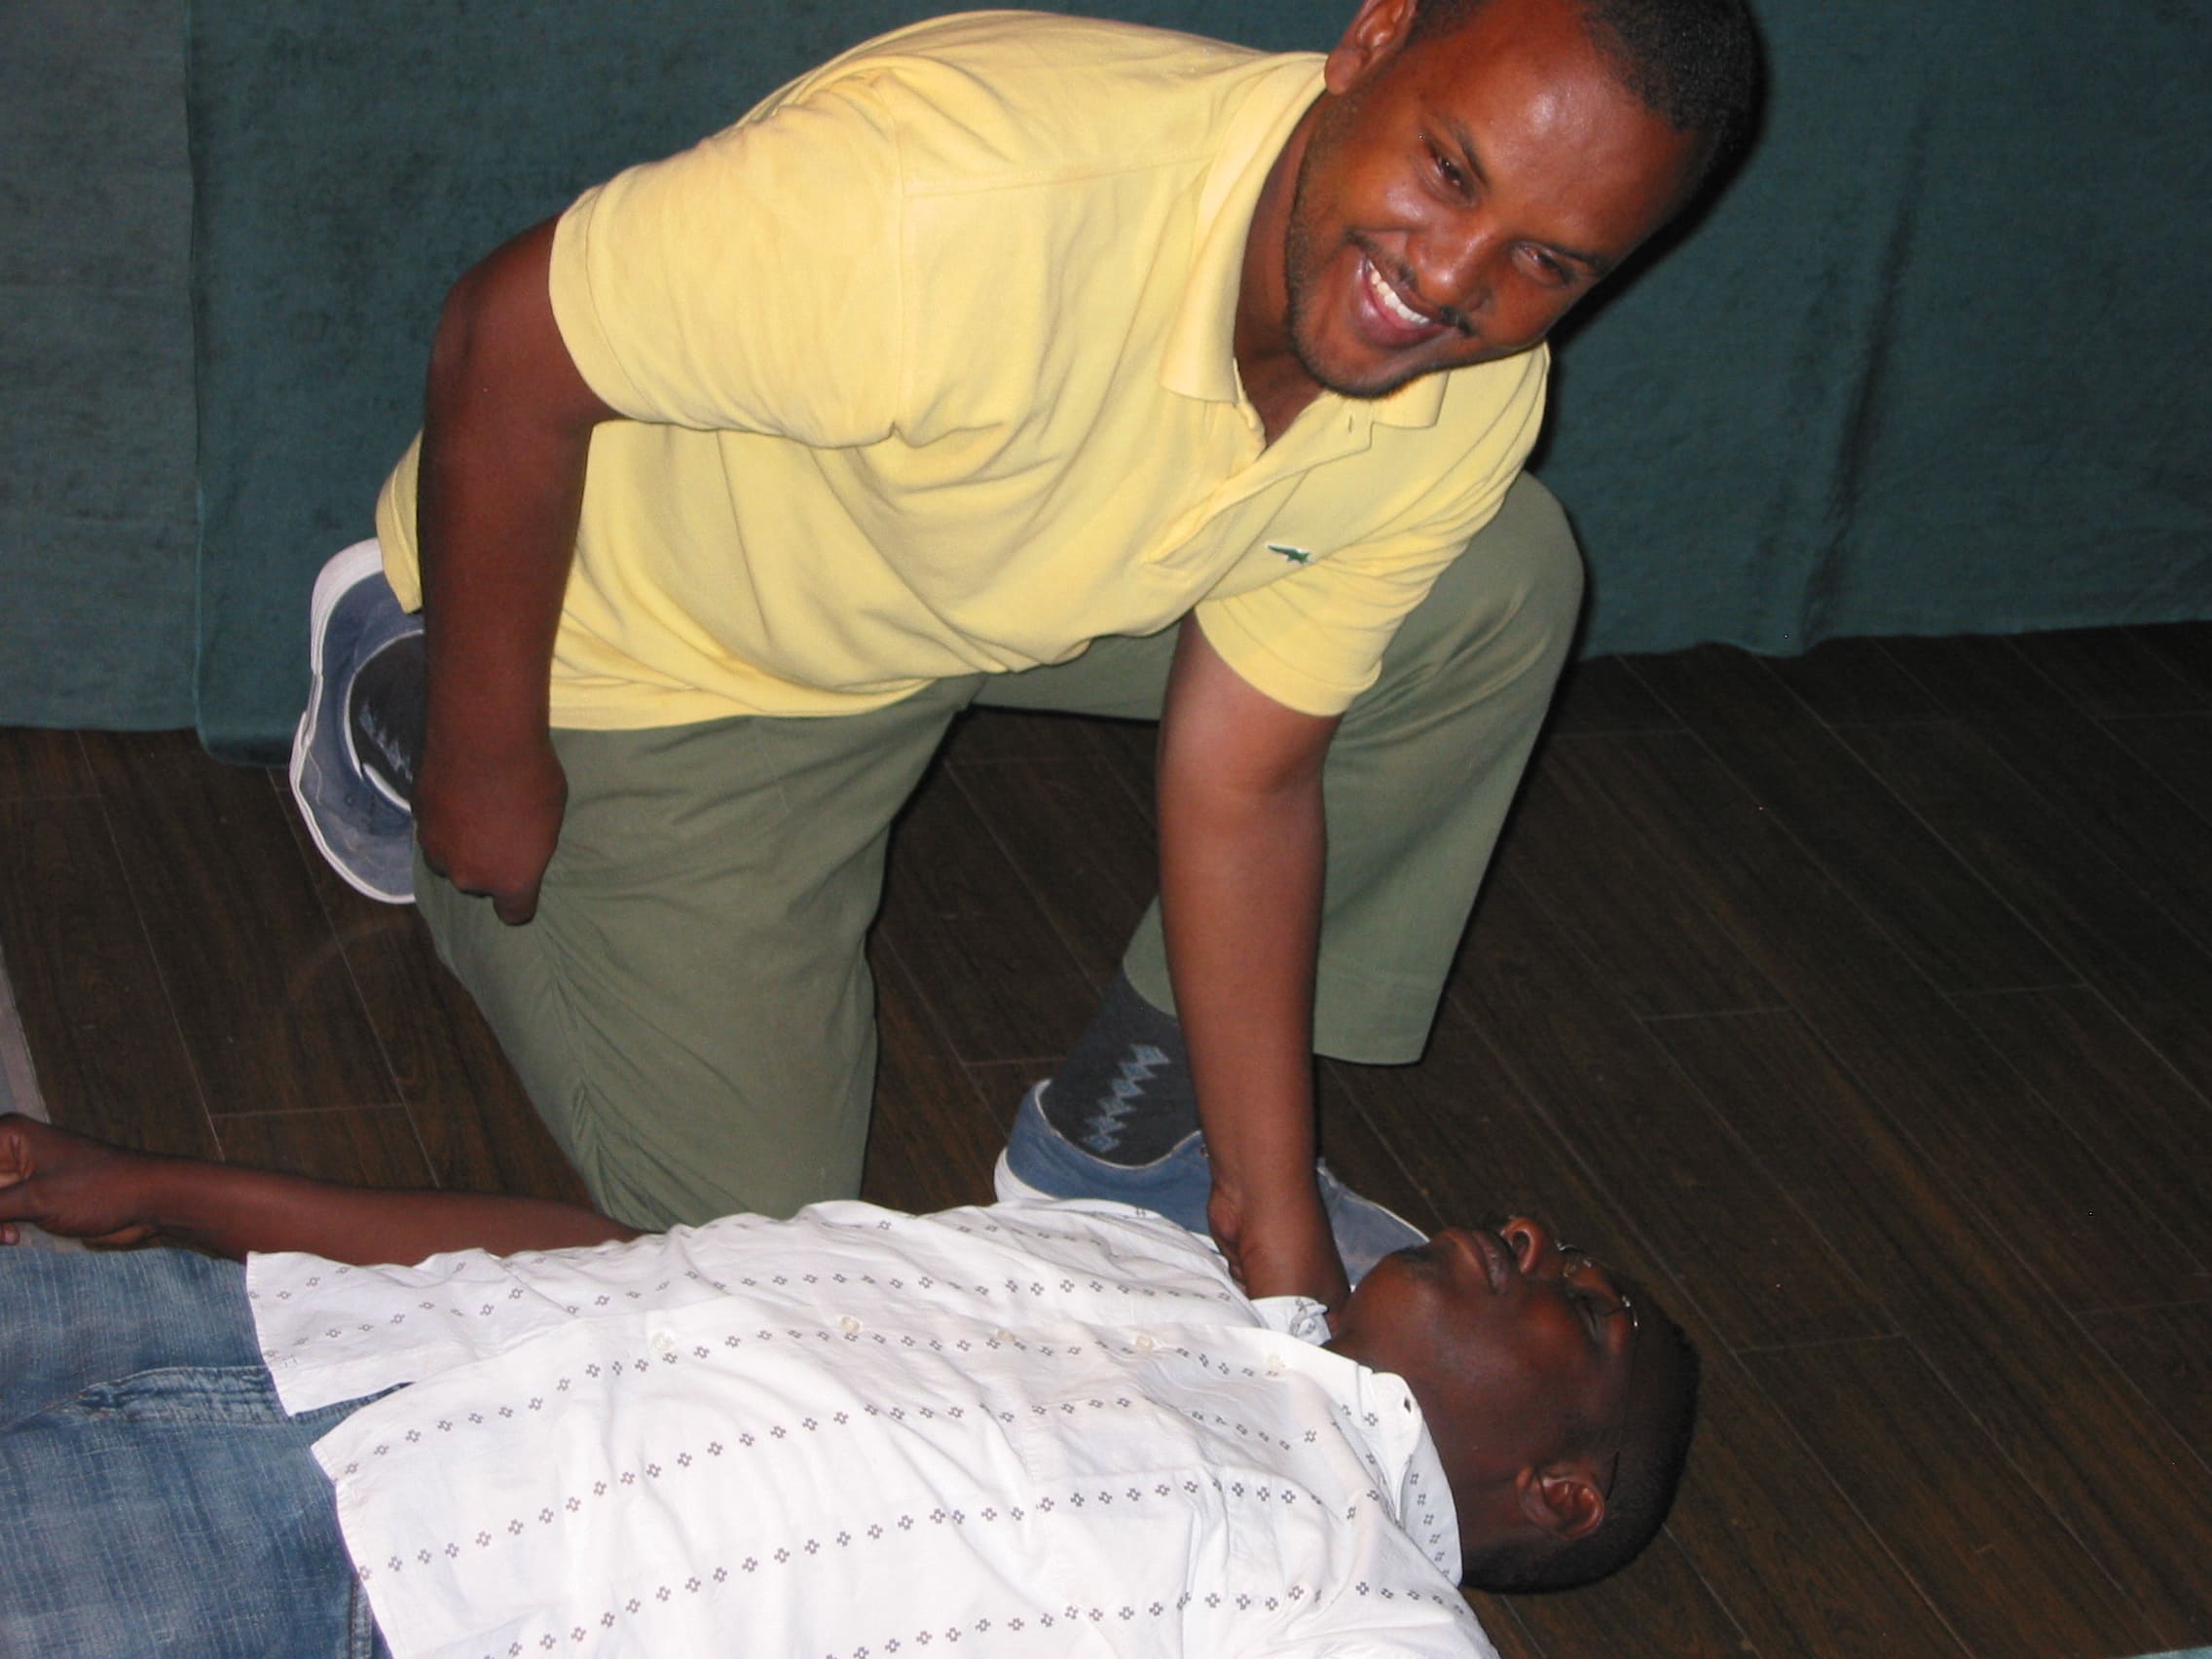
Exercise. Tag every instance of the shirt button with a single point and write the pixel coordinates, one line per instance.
(1274, 1365)
(1145, 1343)
(663, 1343)
(1001, 1336)
(848, 1324)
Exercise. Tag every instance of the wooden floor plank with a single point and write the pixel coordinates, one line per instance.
(1956, 1102)
(2090, 898)
(1914, 887)
(1079, 844)
(1663, 952)
(1607, 1089)
(2101, 1463)
(38, 764)
(2174, 749)
(935, 1136)
(263, 993)
(1658, 1609)
(360, 1146)
(1387, 1165)
(2103, 672)
(2186, 647)
(1128, 751)
(1002, 983)
(1962, 1521)
(979, 736)
(1849, 682)
(474, 1118)
(1505, 1631)
(2123, 1105)
(1796, 1565)
(1601, 695)
(2073, 767)
(104, 1035)
(2166, 1352)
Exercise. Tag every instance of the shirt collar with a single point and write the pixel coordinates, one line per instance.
(1200, 360)
(1391, 1421)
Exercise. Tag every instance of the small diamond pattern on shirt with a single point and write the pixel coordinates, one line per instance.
(876, 1434)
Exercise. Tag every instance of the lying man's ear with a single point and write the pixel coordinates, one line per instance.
(1561, 1499)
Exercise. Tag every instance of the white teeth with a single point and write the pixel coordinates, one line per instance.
(1387, 298)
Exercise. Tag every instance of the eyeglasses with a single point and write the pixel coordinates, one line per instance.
(1600, 1289)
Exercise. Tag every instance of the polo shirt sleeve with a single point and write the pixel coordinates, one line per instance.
(748, 284)
(1314, 638)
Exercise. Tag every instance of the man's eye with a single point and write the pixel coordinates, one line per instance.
(1447, 170)
(1585, 1310)
(1547, 268)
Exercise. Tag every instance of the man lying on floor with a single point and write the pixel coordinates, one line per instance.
(855, 1432)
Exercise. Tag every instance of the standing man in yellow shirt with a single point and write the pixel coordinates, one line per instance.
(1024, 360)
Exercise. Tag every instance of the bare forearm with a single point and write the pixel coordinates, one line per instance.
(507, 437)
(80, 1188)
(1240, 891)
(231, 1211)
(1242, 848)
(506, 433)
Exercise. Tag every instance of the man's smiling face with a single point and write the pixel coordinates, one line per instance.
(1458, 193)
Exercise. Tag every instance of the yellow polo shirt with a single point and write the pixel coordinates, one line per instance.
(926, 369)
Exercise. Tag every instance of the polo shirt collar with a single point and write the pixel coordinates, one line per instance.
(1201, 358)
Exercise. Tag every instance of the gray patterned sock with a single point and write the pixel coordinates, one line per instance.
(1125, 1093)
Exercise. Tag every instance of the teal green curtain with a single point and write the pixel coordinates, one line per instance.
(96, 516)
(1937, 362)
(1926, 366)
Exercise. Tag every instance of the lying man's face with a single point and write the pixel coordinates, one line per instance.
(1536, 1367)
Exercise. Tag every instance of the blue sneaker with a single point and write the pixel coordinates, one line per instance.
(1041, 1163)
(357, 824)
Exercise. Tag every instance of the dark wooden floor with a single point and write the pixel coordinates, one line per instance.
(1862, 1002)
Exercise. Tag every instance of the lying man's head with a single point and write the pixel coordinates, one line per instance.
(1559, 1393)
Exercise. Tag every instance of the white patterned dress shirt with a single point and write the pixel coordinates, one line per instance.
(1031, 1429)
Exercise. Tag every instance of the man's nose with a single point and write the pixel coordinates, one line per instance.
(1452, 268)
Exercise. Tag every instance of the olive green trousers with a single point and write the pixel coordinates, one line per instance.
(691, 1010)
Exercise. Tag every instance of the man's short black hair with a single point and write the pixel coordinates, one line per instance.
(1694, 63)
(1650, 1473)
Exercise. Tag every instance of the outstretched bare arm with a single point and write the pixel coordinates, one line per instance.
(85, 1189)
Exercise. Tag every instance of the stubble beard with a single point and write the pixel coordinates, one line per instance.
(1304, 262)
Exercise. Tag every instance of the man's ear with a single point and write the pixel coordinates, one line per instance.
(1561, 1499)
(1377, 31)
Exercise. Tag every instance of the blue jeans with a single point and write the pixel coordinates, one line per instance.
(154, 1497)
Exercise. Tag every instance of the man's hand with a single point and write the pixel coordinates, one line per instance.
(70, 1185)
(490, 826)
(1286, 1249)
